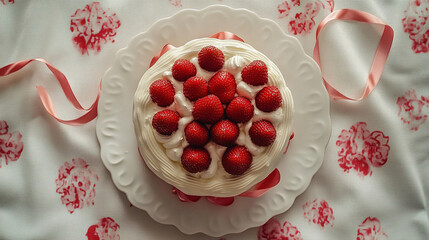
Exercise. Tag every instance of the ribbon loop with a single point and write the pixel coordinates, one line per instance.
(163, 50)
(219, 35)
(91, 112)
(227, 36)
(381, 53)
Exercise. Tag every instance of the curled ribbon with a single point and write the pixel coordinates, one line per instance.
(91, 112)
(376, 70)
(381, 53)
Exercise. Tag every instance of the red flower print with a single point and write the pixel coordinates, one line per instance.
(76, 184)
(411, 109)
(273, 230)
(416, 24)
(360, 149)
(176, 3)
(331, 5)
(299, 24)
(11, 145)
(4, 128)
(376, 148)
(285, 7)
(92, 27)
(370, 229)
(300, 14)
(6, 2)
(357, 162)
(349, 140)
(105, 229)
(318, 212)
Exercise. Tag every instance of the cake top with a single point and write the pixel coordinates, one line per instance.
(212, 117)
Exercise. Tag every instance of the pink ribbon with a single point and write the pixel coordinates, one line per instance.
(91, 112)
(256, 191)
(380, 58)
(163, 50)
(227, 36)
(381, 53)
(219, 35)
(290, 138)
(263, 186)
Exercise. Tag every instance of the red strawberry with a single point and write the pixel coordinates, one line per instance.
(239, 110)
(256, 73)
(236, 160)
(196, 134)
(162, 92)
(223, 85)
(211, 58)
(208, 109)
(183, 69)
(195, 88)
(165, 122)
(224, 133)
(262, 133)
(268, 99)
(195, 159)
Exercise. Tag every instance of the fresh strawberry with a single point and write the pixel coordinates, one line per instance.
(262, 133)
(236, 160)
(239, 110)
(195, 88)
(256, 73)
(208, 109)
(195, 159)
(268, 99)
(165, 122)
(211, 58)
(183, 69)
(223, 85)
(196, 134)
(224, 133)
(162, 92)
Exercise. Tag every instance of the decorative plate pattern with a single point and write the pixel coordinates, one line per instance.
(115, 130)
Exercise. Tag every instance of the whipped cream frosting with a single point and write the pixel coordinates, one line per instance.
(162, 153)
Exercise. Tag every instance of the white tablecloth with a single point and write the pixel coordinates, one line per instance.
(373, 183)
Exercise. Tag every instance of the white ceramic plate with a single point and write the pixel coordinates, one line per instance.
(115, 130)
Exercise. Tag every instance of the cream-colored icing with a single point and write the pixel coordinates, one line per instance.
(162, 153)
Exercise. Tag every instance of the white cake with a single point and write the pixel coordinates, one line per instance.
(162, 153)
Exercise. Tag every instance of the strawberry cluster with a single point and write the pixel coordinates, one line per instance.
(217, 110)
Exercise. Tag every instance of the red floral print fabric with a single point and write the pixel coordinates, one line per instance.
(370, 229)
(92, 27)
(11, 145)
(176, 3)
(360, 149)
(319, 212)
(273, 230)
(300, 14)
(76, 184)
(6, 2)
(105, 229)
(412, 109)
(416, 24)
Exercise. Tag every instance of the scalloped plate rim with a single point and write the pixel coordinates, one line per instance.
(99, 126)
